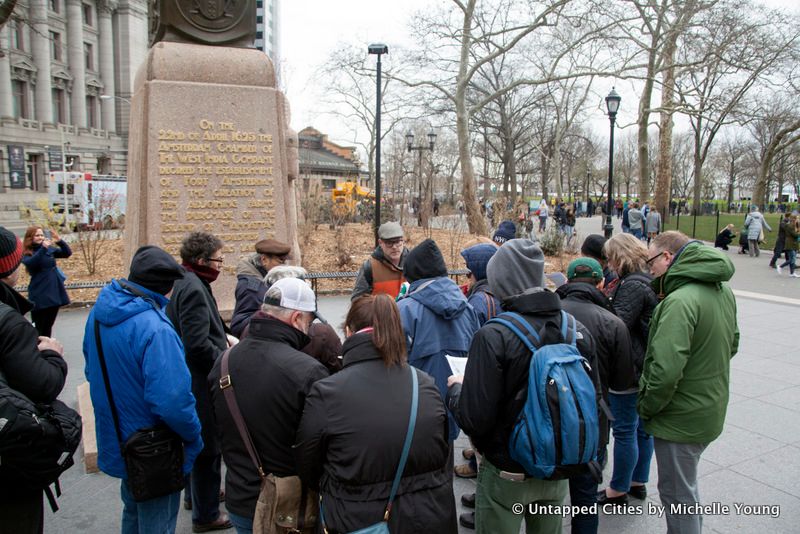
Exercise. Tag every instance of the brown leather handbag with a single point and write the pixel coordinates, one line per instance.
(285, 505)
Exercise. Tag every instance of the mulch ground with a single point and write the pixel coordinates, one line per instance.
(323, 250)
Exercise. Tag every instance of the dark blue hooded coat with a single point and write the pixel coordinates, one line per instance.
(437, 320)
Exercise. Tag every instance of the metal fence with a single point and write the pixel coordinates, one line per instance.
(314, 278)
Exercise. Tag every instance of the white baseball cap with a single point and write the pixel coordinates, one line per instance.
(296, 294)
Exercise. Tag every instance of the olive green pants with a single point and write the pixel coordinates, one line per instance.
(501, 504)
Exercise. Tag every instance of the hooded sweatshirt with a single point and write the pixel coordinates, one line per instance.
(147, 371)
(684, 388)
(437, 320)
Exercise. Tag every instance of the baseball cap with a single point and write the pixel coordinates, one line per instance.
(297, 295)
(584, 268)
(390, 230)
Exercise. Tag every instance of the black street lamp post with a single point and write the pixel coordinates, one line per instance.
(410, 146)
(378, 49)
(612, 104)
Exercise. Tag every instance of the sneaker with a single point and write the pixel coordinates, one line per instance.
(464, 471)
(795, 275)
(778, 268)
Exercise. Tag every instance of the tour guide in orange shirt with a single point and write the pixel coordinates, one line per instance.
(382, 272)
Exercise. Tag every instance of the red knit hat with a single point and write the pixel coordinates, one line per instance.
(10, 252)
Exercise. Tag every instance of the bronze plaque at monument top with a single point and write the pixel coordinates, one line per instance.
(210, 149)
(213, 22)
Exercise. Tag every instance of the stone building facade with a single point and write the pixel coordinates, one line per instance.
(323, 163)
(67, 70)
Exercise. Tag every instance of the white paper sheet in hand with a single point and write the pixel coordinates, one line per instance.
(457, 364)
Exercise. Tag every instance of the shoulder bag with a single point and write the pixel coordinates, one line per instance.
(153, 456)
(285, 505)
(382, 527)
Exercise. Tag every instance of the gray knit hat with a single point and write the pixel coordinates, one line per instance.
(516, 267)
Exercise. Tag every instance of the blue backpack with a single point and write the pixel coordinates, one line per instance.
(556, 433)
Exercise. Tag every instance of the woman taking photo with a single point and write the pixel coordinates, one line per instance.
(353, 429)
(633, 301)
(46, 288)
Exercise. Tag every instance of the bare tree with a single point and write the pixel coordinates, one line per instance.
(458, 42)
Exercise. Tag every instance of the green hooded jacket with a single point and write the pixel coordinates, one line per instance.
(683, 391)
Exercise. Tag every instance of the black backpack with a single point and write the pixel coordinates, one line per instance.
(37, 441)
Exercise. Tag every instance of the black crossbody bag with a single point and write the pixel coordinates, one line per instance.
(153, 456)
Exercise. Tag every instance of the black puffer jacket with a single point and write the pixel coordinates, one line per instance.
(496, 379)
(353, 458)
(634, 301)
(612, 341)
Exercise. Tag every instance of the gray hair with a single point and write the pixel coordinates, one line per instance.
(284, 271)
(275, 311)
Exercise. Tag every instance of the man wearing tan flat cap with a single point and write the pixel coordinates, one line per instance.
(250, 284)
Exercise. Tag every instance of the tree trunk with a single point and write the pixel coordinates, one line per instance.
(643, 148)
(664, 172)
(474, 218)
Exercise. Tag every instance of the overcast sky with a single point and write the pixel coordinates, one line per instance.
(311, 30)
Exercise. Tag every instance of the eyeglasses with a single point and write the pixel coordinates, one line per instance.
(654, 258)
(220, 260)
(394, 244)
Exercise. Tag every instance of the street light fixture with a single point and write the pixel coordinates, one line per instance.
(421, 148)
(612, 105)
(110, 97)
(378, 49)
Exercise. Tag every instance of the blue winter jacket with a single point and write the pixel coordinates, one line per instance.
(46, 288)
(437, 320)
(147, 371)
(481, 299)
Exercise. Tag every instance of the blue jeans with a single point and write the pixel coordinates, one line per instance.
(633, 448)
(637, 232)
(156, 516)
(791, 255)
(242, 524)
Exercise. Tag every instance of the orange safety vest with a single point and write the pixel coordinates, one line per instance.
(385, 278)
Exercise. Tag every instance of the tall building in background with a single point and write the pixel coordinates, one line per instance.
(67, 70)
(267, 35)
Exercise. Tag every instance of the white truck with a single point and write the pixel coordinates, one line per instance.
(93, 200)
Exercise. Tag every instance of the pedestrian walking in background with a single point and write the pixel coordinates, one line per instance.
(543, 214)
(354, 424)
(193, 310)
(46, 288)
(777, 250)
(569, 225)
(653, 223)
(635, 221)
(633, 301)
(685, 384)
(147, 373)
(791, 231)
(31, 365)
(755, 224)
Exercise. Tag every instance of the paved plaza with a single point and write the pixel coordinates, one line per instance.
(754, 465)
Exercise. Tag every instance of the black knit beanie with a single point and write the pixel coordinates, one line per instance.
(424, 261)
(154, 269)
(10, 252)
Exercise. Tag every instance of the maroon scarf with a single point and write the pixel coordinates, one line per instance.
(203, 272)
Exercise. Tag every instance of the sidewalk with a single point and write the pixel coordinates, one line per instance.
(755, 462)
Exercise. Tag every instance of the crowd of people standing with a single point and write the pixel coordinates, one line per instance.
(315, 433)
